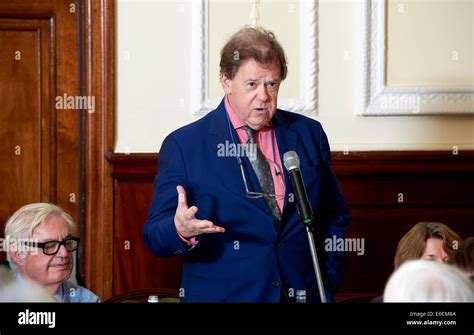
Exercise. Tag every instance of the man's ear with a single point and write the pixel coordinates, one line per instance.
(15, 255)
(226, 84)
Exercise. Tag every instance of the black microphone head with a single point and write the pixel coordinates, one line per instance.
(291, 160)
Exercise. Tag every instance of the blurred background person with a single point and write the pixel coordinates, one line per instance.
(425, 281)
(39, 250)
(14, 291)
(463, 257)
(427, 240)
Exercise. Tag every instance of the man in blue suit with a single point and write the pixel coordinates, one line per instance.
(222, 198)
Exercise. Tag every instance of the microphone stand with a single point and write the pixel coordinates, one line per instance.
(314, 257)
(305, 212)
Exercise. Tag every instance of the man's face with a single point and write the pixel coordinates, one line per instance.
(253, 92)
(48, 269)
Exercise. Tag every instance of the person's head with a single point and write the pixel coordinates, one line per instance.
(425, 281)
(252, 66)
(463, 258)
(40, 222)
(427, 240)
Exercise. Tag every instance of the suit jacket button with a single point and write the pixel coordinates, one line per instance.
(276, 283)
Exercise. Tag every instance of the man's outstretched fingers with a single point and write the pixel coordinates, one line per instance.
(218, 229)
(208, 227)
(213, 230)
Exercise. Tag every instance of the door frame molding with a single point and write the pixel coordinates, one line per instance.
(99, 81)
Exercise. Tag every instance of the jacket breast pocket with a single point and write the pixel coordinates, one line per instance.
(312, 180)
(310, 171)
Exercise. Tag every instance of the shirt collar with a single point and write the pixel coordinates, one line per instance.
(59, 296)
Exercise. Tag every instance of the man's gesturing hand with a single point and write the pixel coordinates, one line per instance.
(185, 220)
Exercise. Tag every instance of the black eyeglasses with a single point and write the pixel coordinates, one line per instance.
(52, 247)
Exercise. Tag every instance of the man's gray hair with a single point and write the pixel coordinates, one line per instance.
(21, 225)
(428, 281)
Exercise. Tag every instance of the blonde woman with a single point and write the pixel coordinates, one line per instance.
(427, 240)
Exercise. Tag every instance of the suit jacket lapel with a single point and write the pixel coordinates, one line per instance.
(287, 140)
(228, 166)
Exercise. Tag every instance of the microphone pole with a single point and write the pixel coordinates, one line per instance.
(292, 165)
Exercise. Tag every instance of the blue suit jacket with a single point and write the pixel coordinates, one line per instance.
(252, 260)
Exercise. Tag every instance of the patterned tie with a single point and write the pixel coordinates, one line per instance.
(264, 175)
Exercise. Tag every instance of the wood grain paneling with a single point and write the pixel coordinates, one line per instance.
(133, 179)
(38, 55)
(99, 81)
(25, 134)
(68, 146)
(423, 179)
(134, 266)
(81, 47)
(381, 230)
(61, 47)
(436, 186)
(56, 73)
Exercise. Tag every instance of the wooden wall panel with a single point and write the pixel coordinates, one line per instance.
(39, 51)
(55, 72)
(134, 266)
(26, 116)
(436, 186)
(99, 81)
(68, 148)
(381, 230)
(74, 55)
(131, 258)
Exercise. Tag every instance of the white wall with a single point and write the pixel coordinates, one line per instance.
(153, 77)
(272, 13)
(439, 50)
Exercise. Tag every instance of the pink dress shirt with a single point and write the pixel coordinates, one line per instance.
(264, 143)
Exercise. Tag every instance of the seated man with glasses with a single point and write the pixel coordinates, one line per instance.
(39, 246)
(232, 212)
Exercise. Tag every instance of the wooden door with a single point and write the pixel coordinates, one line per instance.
(40, 151)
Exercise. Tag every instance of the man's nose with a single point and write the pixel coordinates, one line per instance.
(262, 93)
(62, 251)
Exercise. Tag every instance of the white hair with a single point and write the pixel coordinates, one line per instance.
(23, 222)
(428, 281)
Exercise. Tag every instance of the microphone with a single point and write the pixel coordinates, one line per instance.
(292, 165)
